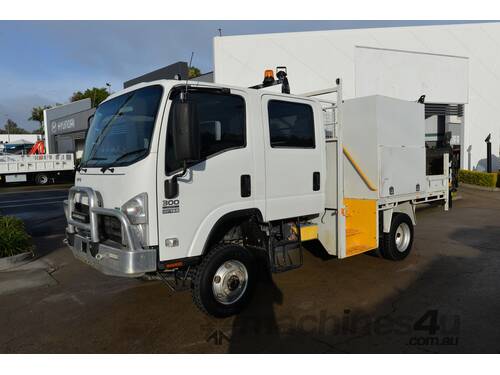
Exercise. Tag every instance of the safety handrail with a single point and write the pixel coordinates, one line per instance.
(358, 169)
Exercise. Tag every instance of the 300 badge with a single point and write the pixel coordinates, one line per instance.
(170, 206)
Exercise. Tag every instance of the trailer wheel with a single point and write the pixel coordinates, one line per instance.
(41, 179)
(224, 281)
(398, 242)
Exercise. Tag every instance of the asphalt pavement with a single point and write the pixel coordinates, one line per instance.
(41, 208)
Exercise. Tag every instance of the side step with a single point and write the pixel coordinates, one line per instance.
(286, 256)
(285, 248)
(177, 280)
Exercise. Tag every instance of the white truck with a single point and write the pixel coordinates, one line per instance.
(196, 181)
(38, 168)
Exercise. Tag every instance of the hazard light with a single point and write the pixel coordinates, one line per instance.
(268, 78)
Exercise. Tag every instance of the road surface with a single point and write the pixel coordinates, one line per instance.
(40, 208)
(444, 298)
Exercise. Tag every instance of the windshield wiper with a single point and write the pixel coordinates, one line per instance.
(84, 165)
(105, 168)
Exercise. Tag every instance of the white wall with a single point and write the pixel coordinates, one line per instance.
(315, 59)
(407, 75)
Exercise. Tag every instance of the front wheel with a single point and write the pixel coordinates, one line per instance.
(224, 281)
(398, 242)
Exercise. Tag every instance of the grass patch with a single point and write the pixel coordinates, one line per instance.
(13, 237)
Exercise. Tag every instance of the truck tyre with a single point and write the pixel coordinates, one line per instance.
(41, 179)
(398, 242)
(224, 281)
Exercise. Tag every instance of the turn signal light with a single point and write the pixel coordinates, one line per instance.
(174, 265)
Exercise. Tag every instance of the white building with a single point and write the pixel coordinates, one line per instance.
(457, 67)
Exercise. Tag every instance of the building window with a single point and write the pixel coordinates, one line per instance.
(222, 122)
(291, 125)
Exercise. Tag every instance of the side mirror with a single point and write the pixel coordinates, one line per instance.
(186, 131)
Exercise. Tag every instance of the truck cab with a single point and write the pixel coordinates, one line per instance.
(194, 180)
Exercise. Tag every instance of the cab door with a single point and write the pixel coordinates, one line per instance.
(221, 183)
(294, 153)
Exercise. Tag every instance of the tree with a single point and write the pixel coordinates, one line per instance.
(96, 95)
(194, 72)
(37, 115)
(11, 127)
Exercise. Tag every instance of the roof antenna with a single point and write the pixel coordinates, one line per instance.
(184, 94)
(220, 31)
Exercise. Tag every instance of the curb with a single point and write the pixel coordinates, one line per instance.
(15, 260)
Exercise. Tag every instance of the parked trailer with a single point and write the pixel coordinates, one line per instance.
(210, 178)
(41, 169)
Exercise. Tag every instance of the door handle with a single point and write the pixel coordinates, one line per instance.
(246, 186)
(316, 181)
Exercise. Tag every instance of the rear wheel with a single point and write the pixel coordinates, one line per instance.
(398, 242)
(41, 179)
(224, 281)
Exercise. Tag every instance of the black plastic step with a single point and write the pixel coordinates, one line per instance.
(286, 255)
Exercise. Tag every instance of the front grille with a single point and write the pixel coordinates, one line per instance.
(83, 232)
(81, 213)
(110, 228)
(82, 208)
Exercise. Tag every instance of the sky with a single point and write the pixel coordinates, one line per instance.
(44, 62)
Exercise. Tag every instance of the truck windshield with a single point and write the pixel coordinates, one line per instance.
(121, 131)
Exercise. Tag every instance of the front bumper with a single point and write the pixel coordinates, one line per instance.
(128, 259)
(111, 260)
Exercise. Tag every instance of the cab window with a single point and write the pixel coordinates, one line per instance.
(222, 125)
(291, 125)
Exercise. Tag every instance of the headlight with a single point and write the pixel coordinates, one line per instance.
(136, 209)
